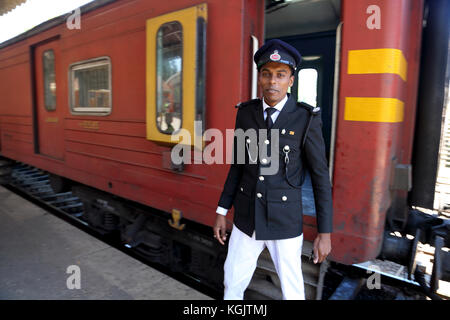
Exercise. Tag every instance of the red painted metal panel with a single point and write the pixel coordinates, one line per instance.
(15, 88)
(113, 148)
(112, 154)
(365, 151)
(50, 123)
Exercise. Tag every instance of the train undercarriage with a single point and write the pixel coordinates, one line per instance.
(187, 247)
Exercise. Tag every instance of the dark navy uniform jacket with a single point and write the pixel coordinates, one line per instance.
(270, 204)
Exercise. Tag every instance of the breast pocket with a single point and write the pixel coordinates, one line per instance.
(284, 208)
(289, 147)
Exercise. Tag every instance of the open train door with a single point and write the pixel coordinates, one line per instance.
(48, 111)
(313, 28)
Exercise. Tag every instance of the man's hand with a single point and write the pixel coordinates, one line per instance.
(220, 229)
(322, 247)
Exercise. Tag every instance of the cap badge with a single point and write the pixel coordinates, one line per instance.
(275, 56)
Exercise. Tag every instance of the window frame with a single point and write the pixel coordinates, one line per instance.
(86, 64)
(193, 75)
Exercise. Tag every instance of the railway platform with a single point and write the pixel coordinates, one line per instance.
(43, 257)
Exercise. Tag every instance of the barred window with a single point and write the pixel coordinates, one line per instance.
(48, 63)
(90, 86)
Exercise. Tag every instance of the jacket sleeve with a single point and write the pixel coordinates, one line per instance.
(234, 176)
(318, 168)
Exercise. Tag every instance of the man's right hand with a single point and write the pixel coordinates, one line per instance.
(220, 229)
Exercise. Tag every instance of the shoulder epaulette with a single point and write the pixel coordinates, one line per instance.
(246, 103)
(310, 108)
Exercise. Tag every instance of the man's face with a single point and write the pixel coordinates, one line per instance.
(275, 78)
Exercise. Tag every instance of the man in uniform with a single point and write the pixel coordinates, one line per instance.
(268, 207)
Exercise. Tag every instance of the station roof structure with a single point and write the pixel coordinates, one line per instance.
(8, 5)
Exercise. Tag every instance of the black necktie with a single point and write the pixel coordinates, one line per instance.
(269, 121)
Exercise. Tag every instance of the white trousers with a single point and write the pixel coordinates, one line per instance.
(242, 257)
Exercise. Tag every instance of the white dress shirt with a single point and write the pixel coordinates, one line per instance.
(279, 106)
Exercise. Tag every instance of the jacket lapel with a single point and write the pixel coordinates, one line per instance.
(284, 115)
(259, 116)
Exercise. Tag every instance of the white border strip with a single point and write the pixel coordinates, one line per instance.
(337, 67)
(255, 43)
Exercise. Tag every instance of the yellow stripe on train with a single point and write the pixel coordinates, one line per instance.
(373, 109)
(385, 60)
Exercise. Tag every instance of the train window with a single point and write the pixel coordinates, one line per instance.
(48, 64)
(90, 86)
(307, 86)
(169, 61)
(175, 75)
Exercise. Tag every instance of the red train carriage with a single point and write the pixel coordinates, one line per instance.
(98, 108)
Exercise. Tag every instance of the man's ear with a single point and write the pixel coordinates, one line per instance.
(291, 81)
(258, 77)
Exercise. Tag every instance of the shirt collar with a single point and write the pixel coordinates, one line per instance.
(279, 106)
